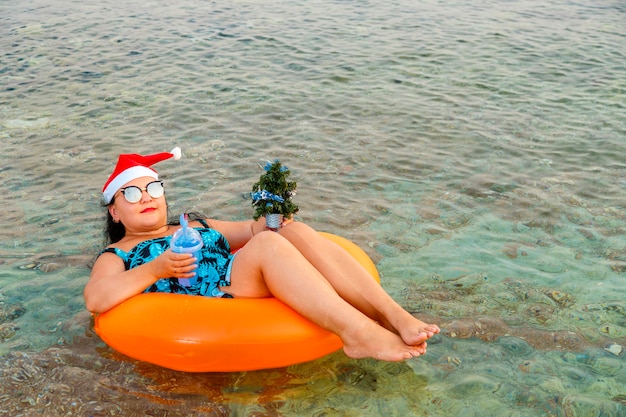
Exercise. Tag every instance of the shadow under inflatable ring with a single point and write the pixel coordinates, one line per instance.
(201, 334)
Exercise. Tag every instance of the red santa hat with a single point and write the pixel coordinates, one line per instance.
(131, 166)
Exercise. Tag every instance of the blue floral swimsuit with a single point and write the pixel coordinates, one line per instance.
(213, 269)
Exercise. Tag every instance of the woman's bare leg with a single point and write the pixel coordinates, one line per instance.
(268, 265)
(353, 283)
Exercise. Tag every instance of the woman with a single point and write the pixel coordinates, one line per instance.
(304, 270)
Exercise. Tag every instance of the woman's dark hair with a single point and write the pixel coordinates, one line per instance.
(114, 231)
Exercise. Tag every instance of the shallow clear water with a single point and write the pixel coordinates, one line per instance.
(476, 151)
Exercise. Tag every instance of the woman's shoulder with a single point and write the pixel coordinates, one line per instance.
(204, 223)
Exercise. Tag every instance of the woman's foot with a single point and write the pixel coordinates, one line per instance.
(413, 331)
(374, 341)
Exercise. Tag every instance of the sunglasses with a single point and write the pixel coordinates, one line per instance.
(133, 193)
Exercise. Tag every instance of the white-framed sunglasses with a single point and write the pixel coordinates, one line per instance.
(132, 193)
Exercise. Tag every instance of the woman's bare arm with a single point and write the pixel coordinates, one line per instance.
(237, 233)
(110, 284)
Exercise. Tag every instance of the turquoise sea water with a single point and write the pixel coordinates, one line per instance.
(476, 150)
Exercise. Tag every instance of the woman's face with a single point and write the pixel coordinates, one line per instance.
(147, 214)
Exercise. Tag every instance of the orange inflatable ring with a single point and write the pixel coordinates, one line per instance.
(202, 334)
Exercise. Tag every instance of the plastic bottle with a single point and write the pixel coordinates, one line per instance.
(187, 240)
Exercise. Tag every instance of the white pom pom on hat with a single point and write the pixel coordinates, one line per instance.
(176, 153)
(131, 166)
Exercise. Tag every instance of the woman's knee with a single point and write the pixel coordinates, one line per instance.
(268, 241)
(266, 236)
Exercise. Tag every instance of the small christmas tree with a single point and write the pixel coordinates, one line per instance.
(272, 194)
